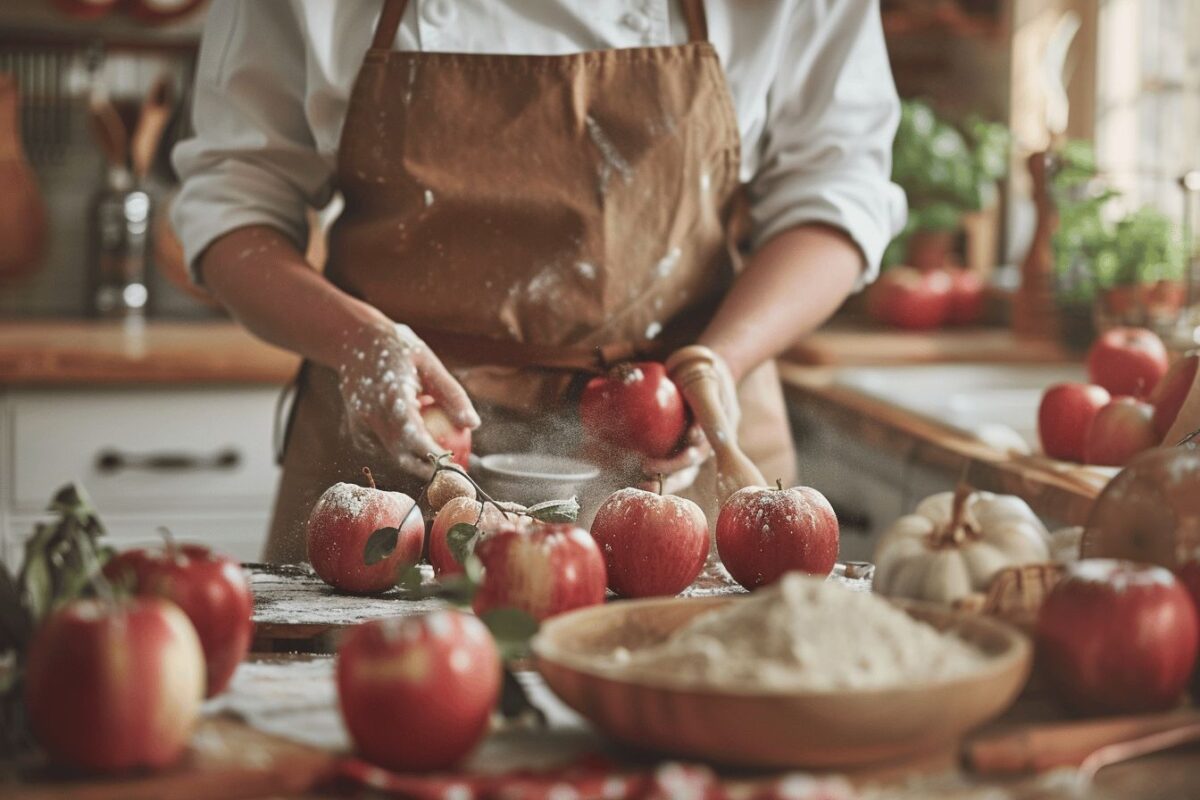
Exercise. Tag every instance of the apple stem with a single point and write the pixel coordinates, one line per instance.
(955, 532)
(660, 483)
(779, 484)
(1194, 434)
(169, 544)
(484, 497)
(366, 471)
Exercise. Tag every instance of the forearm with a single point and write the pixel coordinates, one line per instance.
(788, 288)
(263, 280)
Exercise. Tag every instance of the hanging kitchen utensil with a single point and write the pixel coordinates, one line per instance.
(694, 372)
(152, 122)
(22, 212)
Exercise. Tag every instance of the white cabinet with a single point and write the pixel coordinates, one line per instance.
(199, 461)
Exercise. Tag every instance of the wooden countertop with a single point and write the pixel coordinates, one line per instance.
(1057, 490)
(80, 352)
(844, 343)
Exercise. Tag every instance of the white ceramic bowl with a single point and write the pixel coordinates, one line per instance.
(529, 478)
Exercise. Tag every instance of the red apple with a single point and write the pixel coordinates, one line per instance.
(1189, 576)
(446, 433)
(1064, 416)
(417, 692)
(1119, 431)
(487, 518)
(543, 571)
(211, 589)
(653, 544)
(113, 686)
(1168, 397)
(1127, 361)
(763, 533)
(342, 522)
(967, 298)
(636, 407)
(908, 298)
(1118, 637)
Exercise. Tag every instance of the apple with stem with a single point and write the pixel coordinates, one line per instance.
(360, 538)
(635, 406)
(1064, 416)
(1119, 431)
(484, 516)
(763, 533)
(1127, 361)
(211, 589)
(653, 544)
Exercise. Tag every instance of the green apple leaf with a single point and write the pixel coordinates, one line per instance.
(461, 541)
(380, 545)
(555, 510)
(512, 629)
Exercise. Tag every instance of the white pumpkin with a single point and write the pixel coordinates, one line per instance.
(954, 543)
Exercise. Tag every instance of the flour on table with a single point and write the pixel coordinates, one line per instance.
(804, 634)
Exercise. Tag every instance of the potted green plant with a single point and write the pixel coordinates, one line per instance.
(1116, 269)
(947, 172)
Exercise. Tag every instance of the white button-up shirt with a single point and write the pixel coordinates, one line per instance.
(816, 105)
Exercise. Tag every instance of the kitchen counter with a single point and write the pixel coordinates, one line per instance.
(1062, 492)
(64, 352)
(54, 353)
(87, 352)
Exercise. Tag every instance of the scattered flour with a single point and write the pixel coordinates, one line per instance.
(345, 499)
(804, 634)
(666, 265)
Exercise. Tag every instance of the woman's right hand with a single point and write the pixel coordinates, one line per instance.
(382, 371)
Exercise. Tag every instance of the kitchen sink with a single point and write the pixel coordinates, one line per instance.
(985, 400)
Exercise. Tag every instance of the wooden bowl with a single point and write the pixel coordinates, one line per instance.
(758, 728)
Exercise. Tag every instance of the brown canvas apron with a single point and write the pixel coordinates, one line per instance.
(536, 208)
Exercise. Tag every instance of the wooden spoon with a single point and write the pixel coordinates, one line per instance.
(22, 212)
(693, 369)
(1088, 744)
(152, 122)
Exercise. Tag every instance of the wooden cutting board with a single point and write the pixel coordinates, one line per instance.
(228, 759)
(858, 343)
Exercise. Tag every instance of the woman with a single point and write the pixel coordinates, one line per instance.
(526, 181)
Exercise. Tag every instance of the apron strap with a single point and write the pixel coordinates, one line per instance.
(697, 20)
(389, 24)
(393, 13)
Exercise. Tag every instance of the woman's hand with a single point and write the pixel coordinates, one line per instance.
(680, 470)
(382, 371)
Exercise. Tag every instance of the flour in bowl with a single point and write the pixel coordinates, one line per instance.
(804, 634)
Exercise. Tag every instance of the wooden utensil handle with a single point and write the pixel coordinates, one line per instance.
(694, 371)
(10, 134)
(1034, 748)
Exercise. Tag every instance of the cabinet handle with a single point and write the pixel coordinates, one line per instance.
(115, 461)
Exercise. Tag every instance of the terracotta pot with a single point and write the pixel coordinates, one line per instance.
(930, 250)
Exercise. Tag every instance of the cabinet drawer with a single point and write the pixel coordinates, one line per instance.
(241, 537)
(136, 450)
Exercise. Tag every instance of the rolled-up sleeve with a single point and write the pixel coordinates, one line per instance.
(827, 148)
(253, 159)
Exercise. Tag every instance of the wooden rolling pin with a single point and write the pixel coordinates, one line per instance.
(1088, 743)
(694, 371)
